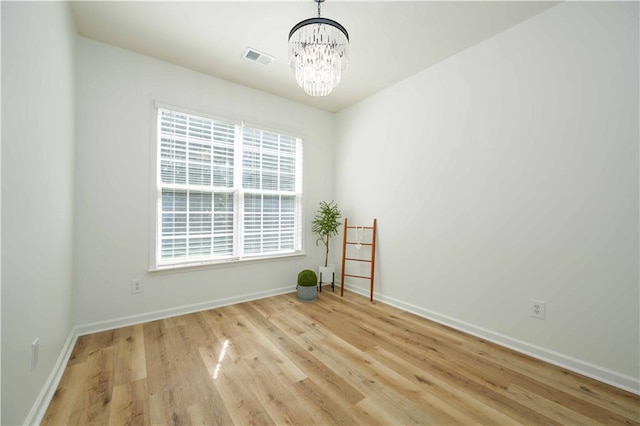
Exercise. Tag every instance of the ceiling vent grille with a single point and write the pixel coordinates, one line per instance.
(254, 55)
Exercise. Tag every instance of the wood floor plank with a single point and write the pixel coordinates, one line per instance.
(69, 390)
(268, 352)
(210, 412)
(92, 406)
(214, 408)
(130, 357)
(236, 389)
(283, 404)
(187, 369)
(281, 335)
(428, 358)
(339, 360)
(552, 409)
(173, 322)
(324, 408)
(80, 350)
(162, 411)
(434, 352)
(369, 412)
(129, 404)
(274, 305)
(197, 416)
(592, 391)
(457, 396)
(374, 380)
(158, 358)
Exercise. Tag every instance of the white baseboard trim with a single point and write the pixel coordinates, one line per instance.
(602, 374)
(41, 404)
(96, 327)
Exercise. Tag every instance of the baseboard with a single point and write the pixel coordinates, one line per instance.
(41, 404)
(96, 327)
(602, 374)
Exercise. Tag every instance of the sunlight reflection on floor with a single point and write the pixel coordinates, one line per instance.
(221, 358)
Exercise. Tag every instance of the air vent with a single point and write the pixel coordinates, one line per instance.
(254, 55)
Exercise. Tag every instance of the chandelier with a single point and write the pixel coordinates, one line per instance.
(318, 54)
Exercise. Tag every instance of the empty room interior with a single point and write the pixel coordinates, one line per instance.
(165, 165)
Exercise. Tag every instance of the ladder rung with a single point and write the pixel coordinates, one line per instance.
(359, 227)
(358, 260)
(362, 244)
(357, 276)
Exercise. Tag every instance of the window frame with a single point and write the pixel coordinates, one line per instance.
(237, 190)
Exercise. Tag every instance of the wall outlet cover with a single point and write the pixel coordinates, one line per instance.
(35, 349)
(537, 309)
(136, 286)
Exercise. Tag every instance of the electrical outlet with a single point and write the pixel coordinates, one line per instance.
(136, 286)
(35, 349)
(537, 309)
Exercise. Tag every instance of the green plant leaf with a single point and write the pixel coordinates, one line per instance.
(325, 224)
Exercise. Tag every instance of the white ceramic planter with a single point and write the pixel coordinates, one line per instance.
(325, 273)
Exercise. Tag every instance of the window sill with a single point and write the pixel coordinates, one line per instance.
(187, 267)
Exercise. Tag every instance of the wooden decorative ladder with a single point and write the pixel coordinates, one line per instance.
(371, 260)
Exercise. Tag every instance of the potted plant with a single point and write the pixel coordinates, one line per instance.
(307, 285)
(325, 225)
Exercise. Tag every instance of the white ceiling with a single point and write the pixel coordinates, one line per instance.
(390, 40)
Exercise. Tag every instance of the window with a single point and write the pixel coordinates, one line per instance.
(225, 191)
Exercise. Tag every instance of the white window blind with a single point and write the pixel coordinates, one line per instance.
(225, 191)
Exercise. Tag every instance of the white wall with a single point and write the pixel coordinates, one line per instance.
(38, 72)
(507, 173)
(115, 119)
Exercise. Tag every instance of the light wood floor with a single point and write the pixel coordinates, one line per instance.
(335, 361)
